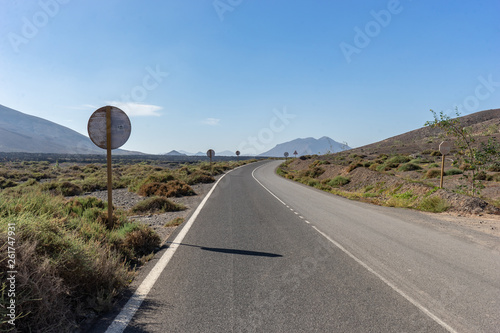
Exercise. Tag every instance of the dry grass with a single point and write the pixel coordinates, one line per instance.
(173, 188)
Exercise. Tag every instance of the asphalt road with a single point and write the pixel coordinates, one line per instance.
(301, 260)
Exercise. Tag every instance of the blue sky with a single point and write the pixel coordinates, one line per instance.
(240, 74)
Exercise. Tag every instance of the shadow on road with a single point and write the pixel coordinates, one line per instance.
(233, 251)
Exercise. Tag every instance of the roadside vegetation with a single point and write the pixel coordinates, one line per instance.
(407, 181)
(405, 171)
(71, 259)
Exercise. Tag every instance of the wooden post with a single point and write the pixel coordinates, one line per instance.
(110, 171)
(442, 173)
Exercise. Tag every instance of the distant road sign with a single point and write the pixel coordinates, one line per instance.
(445, 147)
(120, 127)
(237, 153)
(286, 154)
(210, 153)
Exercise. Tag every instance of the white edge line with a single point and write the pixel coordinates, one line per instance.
(387, 282)
(122, 320)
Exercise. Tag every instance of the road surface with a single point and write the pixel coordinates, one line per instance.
(266, 254)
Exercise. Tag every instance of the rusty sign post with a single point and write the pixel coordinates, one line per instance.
(109, 128)
(238, 155)
(210, 154)
(295, 153)
(286, 156)
(444, 149)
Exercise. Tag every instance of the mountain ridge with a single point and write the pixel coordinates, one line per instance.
(24, 133)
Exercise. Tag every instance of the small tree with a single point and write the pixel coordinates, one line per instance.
(464, 141)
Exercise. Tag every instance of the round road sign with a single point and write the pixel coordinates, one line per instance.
(120, 127)
(237, 153)
(286, 154)
(210, 153)
(445, 147)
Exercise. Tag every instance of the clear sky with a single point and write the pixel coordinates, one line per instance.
(241, 74)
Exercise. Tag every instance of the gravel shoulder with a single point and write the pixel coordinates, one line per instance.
(125, 200)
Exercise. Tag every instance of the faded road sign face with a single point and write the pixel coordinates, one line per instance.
(120, 127)
(210, 153)
(445, 148)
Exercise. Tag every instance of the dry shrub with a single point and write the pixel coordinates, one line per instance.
(156, 204)
(197, 178)
(173, 188)
(42, 301)
(143, 240)
(433, 173)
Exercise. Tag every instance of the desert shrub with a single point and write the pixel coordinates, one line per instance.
(5, 183)
(403, 200)
(383, 167)
(383, 157)
(409, 167)
(303, 157)
(374, 166)
(435, 153)
(198, 177)
(368, 188)
(367, 164)
(173, 188)
(433, 165)
(156, 204)
(481, 175)
(495, 167)
(465, 166)
(426, 152)
(453, 171)
(281, 172)
(353, 166)
(398, 159)
(142, 240)
(338, 181)
(433, 204)
(66, 189)
(433, 173)
(312, 182)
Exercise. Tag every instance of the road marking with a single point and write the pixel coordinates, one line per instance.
(127, 313)
(371, 270)
(307, 222)
(302, 217)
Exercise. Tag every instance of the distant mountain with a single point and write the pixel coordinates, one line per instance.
(175, 153)
(20, 132)
(307, 146)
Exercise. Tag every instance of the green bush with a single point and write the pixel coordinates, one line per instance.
(398, 159)
(436, 153)
(433, 204)
(338, 181)
(409, 167)
(453, 171)
(433, 173)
